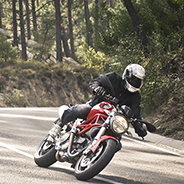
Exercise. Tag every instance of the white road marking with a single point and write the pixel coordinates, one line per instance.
(54, 109)
(16, 150)
(28, 117)
(1, 121)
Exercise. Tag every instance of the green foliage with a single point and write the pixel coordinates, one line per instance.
(163, 76)
(114, 25)
(128, 51)
(7, 52)
(17, 98)
(46, 31)
(161, 20)
(91, 59)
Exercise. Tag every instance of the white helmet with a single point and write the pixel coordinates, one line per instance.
(133, 75)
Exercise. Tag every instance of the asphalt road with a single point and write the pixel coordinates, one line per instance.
(22, 129)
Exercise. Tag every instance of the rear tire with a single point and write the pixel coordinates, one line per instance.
(45, 154)
(90, 165)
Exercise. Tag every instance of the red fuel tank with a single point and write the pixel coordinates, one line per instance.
(101, 108)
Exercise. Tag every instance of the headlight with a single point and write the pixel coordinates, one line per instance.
(119, 124)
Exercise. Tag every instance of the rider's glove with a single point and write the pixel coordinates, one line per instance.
(139, 128)
(99, 91)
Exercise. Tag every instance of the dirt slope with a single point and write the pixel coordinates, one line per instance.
(44, 86)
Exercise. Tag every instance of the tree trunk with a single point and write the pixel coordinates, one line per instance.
(23, 43)
(1, 15)
(96, 21)
(28, 19)
(58, 31)
(137, 24)
(71, 29)
(111, 4)
(65, 40)
(89, 37)
(183, 16)
(182, 37)
(34, 20)
(15, 38)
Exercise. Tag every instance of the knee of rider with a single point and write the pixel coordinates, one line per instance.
(67, 116)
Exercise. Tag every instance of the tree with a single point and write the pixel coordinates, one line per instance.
(1, 14)
(183, 16)
(96, 21)
(88, 25)
(71, 29)
(34, 20)
(183, 27)
(64, 39)
(137, 24)
(28, 19)
(111, 3)
(23, 43)
(15, 38)
(58, 30)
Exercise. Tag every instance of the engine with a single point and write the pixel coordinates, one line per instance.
(62, 144)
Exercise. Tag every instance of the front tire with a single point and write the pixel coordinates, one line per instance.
(90, 165)
(45, 153)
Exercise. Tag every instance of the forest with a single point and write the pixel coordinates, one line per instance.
(106, 36)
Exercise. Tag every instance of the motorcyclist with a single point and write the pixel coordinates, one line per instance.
(125, 89)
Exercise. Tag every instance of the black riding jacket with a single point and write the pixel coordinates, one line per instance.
(123, 95)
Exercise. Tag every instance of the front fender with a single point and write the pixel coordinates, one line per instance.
(95, 146)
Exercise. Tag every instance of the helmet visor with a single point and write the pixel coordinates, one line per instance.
(134, 81)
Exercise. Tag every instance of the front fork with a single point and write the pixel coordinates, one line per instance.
(73, 132)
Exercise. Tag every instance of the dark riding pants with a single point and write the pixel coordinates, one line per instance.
(77, 111)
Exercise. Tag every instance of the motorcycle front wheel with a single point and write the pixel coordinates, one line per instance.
(91, 164)
(45, 153)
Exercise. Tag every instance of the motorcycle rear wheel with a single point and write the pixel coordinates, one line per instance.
(90, 165)
(45, 154)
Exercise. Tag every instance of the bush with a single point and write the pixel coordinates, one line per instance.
(7, 52)
(90, 58)
(17, 98)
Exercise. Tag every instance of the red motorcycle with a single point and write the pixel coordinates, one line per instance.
(89, 145)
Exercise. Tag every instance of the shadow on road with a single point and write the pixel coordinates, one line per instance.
(95, 180)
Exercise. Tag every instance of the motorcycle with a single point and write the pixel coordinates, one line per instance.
(90, 144)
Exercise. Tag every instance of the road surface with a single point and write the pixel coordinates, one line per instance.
(22, 129)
